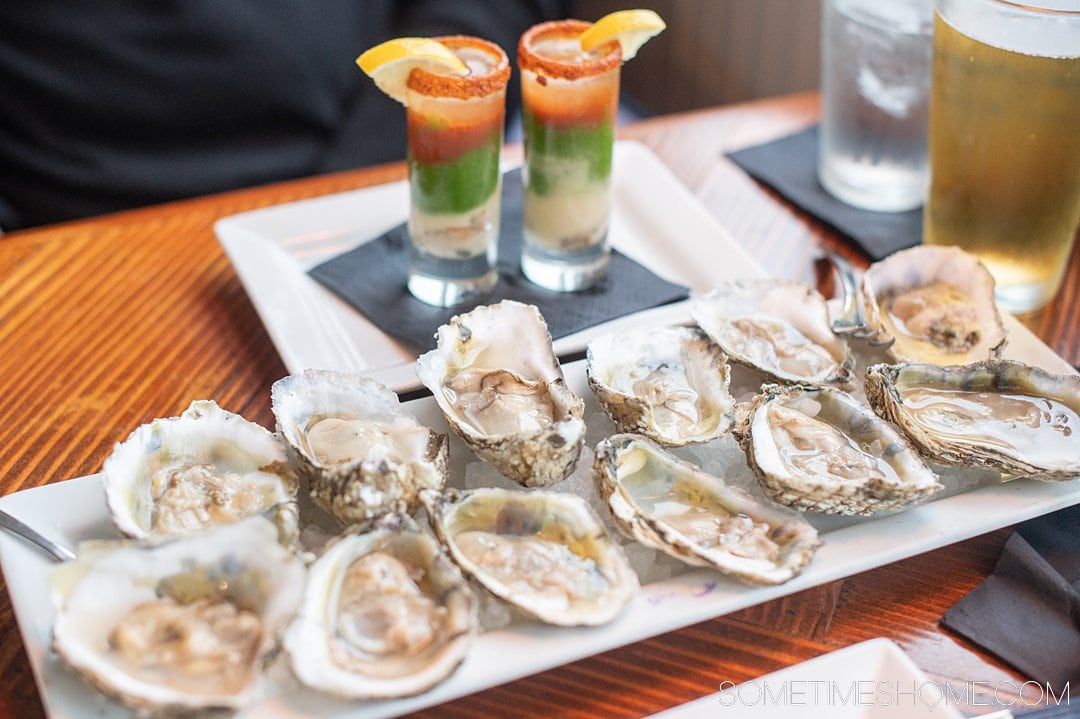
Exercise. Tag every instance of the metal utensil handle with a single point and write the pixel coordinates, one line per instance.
(60, 553)
(851, 317)
(852, 322)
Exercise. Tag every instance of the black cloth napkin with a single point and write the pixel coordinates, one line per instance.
(789, 166)
(1028, 611)
(371, 278)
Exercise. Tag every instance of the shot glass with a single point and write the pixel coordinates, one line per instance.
(1005, 141)
(570, 100)
(455, 133)
(875, 83)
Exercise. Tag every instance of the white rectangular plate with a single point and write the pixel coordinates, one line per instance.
(655, 220)
(870, 680)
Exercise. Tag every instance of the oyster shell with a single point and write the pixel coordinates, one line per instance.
(673, 506)
(183, 625)
(669, 384)
(206, 467)
(385, 614)
(496, 379)
(1018, 419)
(362, 453)
(780, 328)
(820, 449)
(937, 303)
(545, 553)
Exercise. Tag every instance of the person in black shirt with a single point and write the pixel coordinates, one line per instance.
(111, 104)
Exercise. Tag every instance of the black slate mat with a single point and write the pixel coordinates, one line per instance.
(371, 278)
(1028, 611)
(789, 166)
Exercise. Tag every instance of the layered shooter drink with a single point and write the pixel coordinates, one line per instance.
(570, 100)
(455, 131)
(1005, 141)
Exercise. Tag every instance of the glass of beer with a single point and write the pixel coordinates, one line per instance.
(1004, 140)
(455, 133)
(570, 99)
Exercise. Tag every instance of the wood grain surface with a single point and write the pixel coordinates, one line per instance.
(110, 322)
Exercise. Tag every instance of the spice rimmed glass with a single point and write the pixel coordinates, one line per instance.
(455, 131)
(570, 100)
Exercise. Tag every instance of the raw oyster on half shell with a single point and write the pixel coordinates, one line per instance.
(495, 377)
(204, 468)
(780, 328)
(937, 303)
(363, 454)
(385, 614)
(820, 449)
(181, 626)
(1018, 419)
(674, 506)
(546, 553)
(667, 383)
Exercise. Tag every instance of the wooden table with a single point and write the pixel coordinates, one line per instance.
(110, 322)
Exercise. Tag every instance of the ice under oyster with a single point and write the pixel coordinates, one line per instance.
(495, 377)
(937, 303)
(204, 468)
(668, 383)
(385, 614)
(544, 552)
(183, 625)
(673, 506)
(1018, 419)
(362, 453)
(820, 449)
(778, 327)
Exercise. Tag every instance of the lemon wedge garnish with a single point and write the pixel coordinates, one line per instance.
(630, 28)
(390, 63)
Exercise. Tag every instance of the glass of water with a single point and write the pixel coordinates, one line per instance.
(875, 82)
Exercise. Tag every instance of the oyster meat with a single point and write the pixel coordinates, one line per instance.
(206, 467)
(546, 553)
(820, 449)
(780, 328)
(495, 377)
(385, 614)
(184, 625)
(673, 506)
(669, 384)
(1018, 419)
(937, 303)
(362, 453)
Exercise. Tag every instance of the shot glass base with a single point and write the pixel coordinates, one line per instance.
(443, 292)
(564, 276)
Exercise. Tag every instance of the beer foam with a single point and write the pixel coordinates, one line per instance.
(1054, 34)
